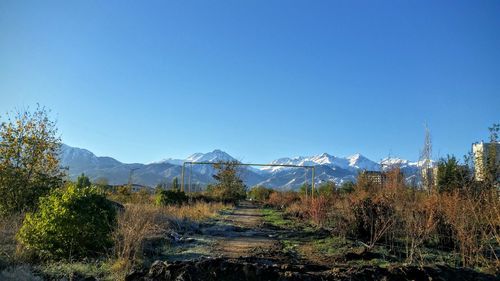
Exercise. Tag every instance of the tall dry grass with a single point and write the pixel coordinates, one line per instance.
(9, 226)
(140, 222)
(465, 223)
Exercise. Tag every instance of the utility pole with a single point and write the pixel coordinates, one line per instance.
(130, 176)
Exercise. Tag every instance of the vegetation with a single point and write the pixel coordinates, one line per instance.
(400, 222)
(29, 165)
(327, 188)
(83, 181)
(260, 193)
(62, 228)
(169, 197)
(492, 163)
(140, 223)
(71, 222)
(229, 186)
(451, 175)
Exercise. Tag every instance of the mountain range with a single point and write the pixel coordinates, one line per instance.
(327, 168)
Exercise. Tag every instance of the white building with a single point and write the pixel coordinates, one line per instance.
(482, 151)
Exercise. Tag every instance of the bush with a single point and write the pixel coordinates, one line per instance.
(71, 223)
(317, 210)
(373, 219)
(169, 197)
(260, 193)
(282, 200)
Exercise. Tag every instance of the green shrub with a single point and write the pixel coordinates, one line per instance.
(170, 197)
(70, 223)
(260, 193)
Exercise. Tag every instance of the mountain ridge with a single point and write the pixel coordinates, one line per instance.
(328, 168)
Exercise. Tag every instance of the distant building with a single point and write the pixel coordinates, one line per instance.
(482, 152)
(375, 177)
(137, 187)
(380, 178)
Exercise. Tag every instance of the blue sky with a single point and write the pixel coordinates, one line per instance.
(145, 80)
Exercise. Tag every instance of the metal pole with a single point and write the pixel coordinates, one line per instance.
(182, 184)
(190, 172)
(305, 182)
(312, 184)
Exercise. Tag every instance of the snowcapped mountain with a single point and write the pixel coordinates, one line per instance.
(214, 156)
(354, 163)
(327, 168)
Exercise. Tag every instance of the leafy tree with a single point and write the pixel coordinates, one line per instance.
(347, 187)
(29, 162)
(260, 193)
(71, 222)
(229, 186)
(175, 184)
(327, 188)
(305, 188)
(492, 163)
(451, 175)
(83, 181)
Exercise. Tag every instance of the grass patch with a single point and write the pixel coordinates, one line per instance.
(332, 246)
(59, 270)
(277, 219)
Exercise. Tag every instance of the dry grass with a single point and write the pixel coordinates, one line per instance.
(476, 224)
(404, 220)
(8, 228)
(282, 200)
(139, 222)
(318, 210)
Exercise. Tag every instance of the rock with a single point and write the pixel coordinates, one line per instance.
(78, 277)
(174, 236)
(158, 269)
(186, 240)
(135, 275)
(221, 269)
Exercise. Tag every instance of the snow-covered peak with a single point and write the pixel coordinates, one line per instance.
(393, 161)
(169, 161)
(359, 161)
(353, 162)
(214, 156)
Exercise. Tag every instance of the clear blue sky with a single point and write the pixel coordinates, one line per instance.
(145, 80)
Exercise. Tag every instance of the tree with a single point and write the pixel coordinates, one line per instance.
(305, 188)
(492, 167)
(29, 162)
(175, 184)
(347, 187)
(229, 186)
(83, 181)
(327, 188)
(451, 175)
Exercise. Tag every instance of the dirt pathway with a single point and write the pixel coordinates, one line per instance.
(237, 233)
(243, 235)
